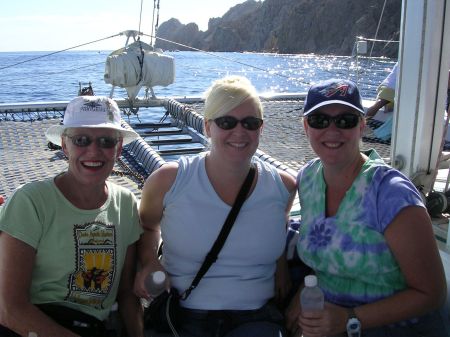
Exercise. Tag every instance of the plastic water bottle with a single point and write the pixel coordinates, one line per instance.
(311, 297)
(155, 283)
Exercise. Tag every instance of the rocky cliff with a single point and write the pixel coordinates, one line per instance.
(291, 26)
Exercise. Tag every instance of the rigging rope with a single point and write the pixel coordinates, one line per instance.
(59, 51)
(157, 18)
(377, 40)
(154, 26)
(378, 27)
(36, 74)
(141, 61)
(153, 20)
(140, 17)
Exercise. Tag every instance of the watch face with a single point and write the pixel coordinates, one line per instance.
(353, 327)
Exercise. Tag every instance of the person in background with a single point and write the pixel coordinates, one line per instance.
(385, 94)
(68, 244)
(365, 231)
(188, 202)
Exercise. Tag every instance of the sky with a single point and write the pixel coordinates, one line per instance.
(53, 25)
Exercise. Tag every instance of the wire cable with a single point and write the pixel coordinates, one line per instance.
(153, 22)
(59, 51)
(140, 17)
(378, 27)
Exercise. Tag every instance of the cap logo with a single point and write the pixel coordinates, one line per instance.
(336, 88)
(91, 106)
(97, 106)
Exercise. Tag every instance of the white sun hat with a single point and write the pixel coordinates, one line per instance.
(91, 112)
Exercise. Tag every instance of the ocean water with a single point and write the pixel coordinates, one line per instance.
(37, 76)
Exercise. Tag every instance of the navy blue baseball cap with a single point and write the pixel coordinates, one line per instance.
(333, 91)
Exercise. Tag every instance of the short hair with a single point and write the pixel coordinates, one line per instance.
(228, 93)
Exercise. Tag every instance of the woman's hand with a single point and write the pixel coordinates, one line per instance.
(328, 322)
(139, 282)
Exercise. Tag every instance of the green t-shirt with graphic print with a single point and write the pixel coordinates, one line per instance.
(79, 253)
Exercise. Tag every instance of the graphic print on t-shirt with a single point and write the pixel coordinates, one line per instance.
(95, 245)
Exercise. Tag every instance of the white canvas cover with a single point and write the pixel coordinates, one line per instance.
(123, 68)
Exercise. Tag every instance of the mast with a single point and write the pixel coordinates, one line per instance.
(424, 61)
(154, 25)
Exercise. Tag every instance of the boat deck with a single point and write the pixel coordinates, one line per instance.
(25, 156)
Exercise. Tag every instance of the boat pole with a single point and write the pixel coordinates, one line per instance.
(424, 61)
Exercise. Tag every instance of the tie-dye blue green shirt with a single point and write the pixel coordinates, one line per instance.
(348, 251)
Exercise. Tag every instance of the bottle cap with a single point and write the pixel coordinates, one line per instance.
(311, 281)
(159, 277)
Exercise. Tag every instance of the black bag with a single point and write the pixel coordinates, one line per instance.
(163, 311)
(76, 321)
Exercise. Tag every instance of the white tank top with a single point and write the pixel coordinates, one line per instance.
(242, 278)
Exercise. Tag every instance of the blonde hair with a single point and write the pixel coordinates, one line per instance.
(228, 93)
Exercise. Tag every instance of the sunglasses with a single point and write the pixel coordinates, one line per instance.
(322, 121)
(102, 142)
(230, 122)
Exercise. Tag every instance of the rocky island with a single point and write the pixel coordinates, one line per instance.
(292, 27)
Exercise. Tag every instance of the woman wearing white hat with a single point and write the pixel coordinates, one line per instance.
(67, 244)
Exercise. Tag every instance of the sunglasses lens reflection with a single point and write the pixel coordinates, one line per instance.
(322, 121)
(226, 122)
(106, 142)
(102, 142)
(230, 122)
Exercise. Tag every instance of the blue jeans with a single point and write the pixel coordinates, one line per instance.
(264, 322)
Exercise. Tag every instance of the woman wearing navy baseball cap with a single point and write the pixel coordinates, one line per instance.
(365, 231)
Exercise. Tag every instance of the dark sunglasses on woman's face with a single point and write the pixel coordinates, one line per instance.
(102, 142)
(230, 122)
(343, 121)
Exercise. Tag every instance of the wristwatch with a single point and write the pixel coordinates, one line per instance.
(353, 324)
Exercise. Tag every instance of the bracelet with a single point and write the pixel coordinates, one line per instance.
(351, 313)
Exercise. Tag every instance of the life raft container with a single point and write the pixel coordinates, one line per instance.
(137, 66)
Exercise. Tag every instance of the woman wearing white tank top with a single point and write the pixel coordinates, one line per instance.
(188, 202)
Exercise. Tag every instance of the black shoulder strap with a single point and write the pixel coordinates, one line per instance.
(211, 257)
